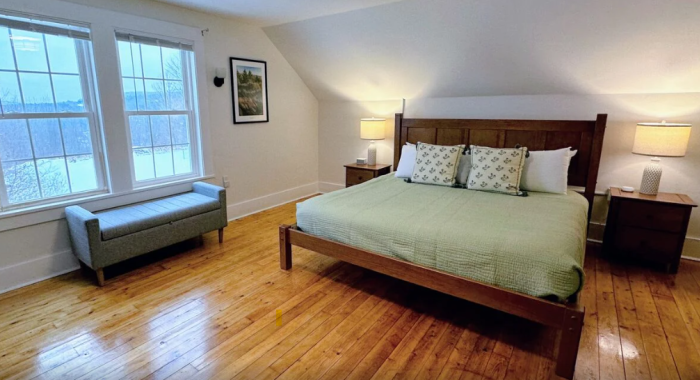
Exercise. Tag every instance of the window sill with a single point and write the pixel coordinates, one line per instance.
(29, 216)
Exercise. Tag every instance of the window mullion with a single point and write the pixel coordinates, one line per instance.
(36, 168)
(14, 58)
(48, 65)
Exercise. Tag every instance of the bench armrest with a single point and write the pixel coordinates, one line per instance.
(213, 191)
(84, 229)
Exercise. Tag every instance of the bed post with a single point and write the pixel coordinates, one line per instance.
(398, 118)
(285, 248)
(569, 341)
(594, 163)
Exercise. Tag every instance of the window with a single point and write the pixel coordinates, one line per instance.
(158, 83)
(48, 136)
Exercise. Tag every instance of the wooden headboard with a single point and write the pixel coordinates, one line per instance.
(584, 135)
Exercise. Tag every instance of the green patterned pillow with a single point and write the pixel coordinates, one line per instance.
(496, 169)
(436, 164)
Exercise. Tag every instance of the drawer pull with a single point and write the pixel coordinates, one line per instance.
(360, 178)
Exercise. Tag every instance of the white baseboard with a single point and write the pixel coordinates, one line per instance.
(327, 187)
(252, 206)
(39, 269)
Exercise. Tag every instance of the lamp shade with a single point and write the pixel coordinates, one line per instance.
(372, 129)
(661, 139)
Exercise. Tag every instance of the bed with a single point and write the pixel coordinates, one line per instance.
(520, 255)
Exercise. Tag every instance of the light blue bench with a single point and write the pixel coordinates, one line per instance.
(108, 237)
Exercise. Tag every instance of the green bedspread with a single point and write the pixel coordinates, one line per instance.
(533, 245)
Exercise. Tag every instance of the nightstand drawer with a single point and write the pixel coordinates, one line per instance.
(357, 176)
(652, 216)
(647, 244)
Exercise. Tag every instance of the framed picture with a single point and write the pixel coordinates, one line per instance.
(249, 90)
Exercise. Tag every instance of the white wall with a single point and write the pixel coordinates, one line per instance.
(267, 163)
(339, 123)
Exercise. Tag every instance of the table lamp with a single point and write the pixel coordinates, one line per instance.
(659, 139)
(372, 129)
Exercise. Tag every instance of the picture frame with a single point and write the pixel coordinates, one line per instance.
(249, 91)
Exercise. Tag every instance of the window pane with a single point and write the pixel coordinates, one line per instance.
(143, 164)
(7, 62)
(77, 138)
(63, 57)
(164, 161)
(152, 65)
(129, 94)
(179, 130)
(182, 159)
(155, 95)
(20, 181)
(68, 93)
(82, 173)
(9, 93)
(29, 50)
(172, 63)
(160, 130)
(140, 131)
(46, 137)
(125, 61)
(36, 89)
(176, 95)
(53, 177)
(14, 140)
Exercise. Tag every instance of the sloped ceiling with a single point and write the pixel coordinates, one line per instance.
(273, 12)
(457, 48)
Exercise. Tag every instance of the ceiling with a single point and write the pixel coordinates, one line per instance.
(275, 12)
(459, 48)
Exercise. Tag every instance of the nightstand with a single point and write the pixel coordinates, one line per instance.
(648, 228)
(356, 174)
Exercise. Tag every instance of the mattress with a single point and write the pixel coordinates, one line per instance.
(533, 245)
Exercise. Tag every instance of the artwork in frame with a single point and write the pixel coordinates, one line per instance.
(249, 91)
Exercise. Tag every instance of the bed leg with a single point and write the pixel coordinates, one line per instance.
(568, 344)
(285, 248)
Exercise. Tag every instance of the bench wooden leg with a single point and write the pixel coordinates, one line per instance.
(569, 342)
(285, 248)
(100, 277)
(221, 235)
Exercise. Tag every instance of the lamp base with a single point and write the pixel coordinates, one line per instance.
(372, 154)
(651, 178)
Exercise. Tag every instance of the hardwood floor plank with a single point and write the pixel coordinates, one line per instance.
(633, 353)
(587, 364)
(656, 346)
(609, 343)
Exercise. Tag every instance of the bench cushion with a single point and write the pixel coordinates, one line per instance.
(127, 220)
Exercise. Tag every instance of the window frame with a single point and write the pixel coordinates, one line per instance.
(88, 83)
(189, 82)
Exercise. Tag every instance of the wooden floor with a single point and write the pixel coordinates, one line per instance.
(211, 311)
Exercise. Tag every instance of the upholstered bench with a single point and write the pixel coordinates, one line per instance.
(108, 237)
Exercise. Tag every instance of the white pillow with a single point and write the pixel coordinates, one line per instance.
(547, 171)
(406, 162)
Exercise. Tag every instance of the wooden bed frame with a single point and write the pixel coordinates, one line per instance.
(585, 136)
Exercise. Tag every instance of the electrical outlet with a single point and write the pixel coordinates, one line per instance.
(226, 182)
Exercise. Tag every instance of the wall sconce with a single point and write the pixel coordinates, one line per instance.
(219, 76)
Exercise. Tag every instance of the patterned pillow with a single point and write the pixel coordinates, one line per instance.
(436, 164)
(496, 169)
